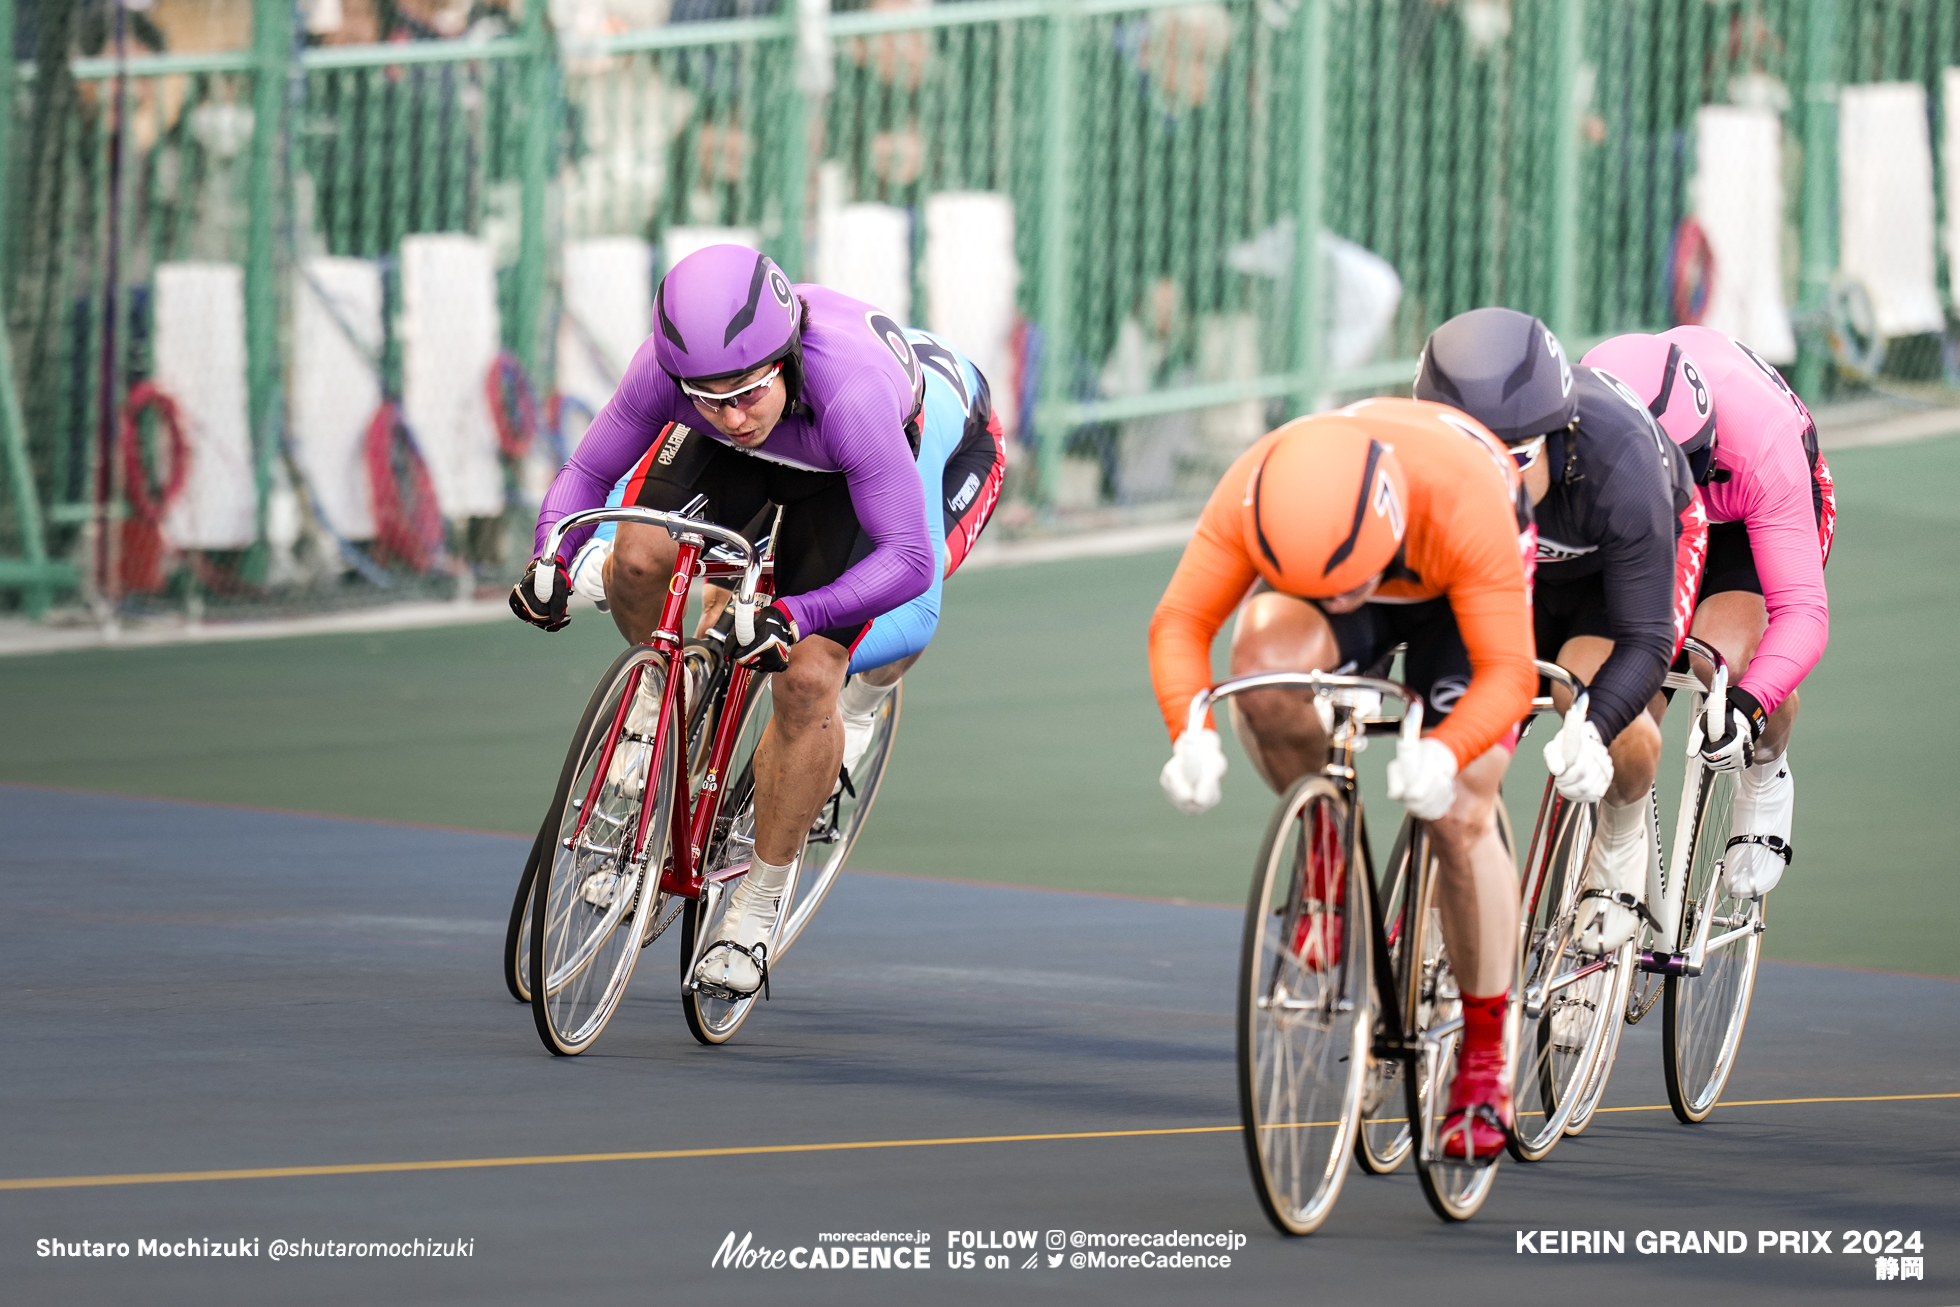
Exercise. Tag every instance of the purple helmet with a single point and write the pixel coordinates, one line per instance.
(723, 310)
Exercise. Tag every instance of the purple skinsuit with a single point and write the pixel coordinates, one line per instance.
(862, 395)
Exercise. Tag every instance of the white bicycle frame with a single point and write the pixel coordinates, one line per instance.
(1667, 891)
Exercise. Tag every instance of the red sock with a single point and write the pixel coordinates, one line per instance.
(1483, 1022)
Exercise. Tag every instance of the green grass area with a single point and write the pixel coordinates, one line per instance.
(1031, 744)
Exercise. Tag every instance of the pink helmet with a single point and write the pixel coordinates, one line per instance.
(1664, 378)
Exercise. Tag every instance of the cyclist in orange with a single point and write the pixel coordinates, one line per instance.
(1338, 537)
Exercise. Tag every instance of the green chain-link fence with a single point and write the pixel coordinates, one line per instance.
(1122, 181)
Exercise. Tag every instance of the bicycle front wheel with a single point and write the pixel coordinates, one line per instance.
(1432, 1007)
(1569, 1012)
(1303, 1019)
(1702, 1016)
(589, 897)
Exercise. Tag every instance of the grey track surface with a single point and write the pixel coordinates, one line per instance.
(194, 988)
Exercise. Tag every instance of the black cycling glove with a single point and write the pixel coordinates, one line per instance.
(547, 614)
(775, 632)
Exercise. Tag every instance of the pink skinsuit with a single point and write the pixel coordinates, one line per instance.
(1760, 428)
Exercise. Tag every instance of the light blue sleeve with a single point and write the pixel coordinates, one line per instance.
(907, 629)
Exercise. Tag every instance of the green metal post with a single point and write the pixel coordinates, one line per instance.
(814, 79)
(20, 474)
(1819, 255)
(272, 59)
(1309, 365)
(1051, 428)
(796, 183)
(1563, 305)
(6, 134)
(540, 120)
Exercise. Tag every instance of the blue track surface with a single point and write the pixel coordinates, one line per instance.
(194, 989)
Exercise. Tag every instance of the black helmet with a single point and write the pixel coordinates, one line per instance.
(1502, 367)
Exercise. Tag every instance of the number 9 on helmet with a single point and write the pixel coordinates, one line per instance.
(1325, 509)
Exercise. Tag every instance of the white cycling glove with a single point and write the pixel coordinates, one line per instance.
(1736, 749)
(1423, 778)
(1191, 778)
(1580, 765)
(1733, 751)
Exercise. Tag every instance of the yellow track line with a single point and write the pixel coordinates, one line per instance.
(564, 1159)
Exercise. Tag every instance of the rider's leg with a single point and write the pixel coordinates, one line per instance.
(1281, 731)
(636, 578)
(1734, 622)
(796, 762)
(1617, 863)
(1478, 890)
(1765, 793)
(1636, 751)
(887, 676)
(858, 703)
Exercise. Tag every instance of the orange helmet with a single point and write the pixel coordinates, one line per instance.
(1326, 508)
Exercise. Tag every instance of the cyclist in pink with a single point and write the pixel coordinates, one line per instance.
(1772, 512)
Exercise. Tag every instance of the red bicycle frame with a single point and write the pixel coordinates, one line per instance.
(692, 820)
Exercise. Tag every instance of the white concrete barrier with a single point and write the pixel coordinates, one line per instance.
(1885, 204)
(1738, 200)
(971, 281)
(337, 337)
(200, 363)
(450, 335)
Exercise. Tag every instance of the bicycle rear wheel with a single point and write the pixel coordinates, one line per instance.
(1382, 1139)
(1303, 1020)
(586, 923)
(710, 1018)
(1432, 1014)
(1702, 1016)
(517, 934)
(1569, 1012)
(841, 821)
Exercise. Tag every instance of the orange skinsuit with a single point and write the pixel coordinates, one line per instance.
(1463, 541)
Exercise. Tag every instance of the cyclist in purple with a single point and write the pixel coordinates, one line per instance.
(755, 392)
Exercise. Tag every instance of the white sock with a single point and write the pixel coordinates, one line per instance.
(857, 705)
(766, 878)
(1620, 827)
(859, 698)
(1614, 865)
(760, 892)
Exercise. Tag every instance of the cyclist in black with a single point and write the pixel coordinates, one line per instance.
(1621, 542)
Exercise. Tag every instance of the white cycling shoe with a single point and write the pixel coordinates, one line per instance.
(737, 958)
(1759, 844)
(1616, 877)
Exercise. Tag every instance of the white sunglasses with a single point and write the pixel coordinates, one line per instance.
(747, 397)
